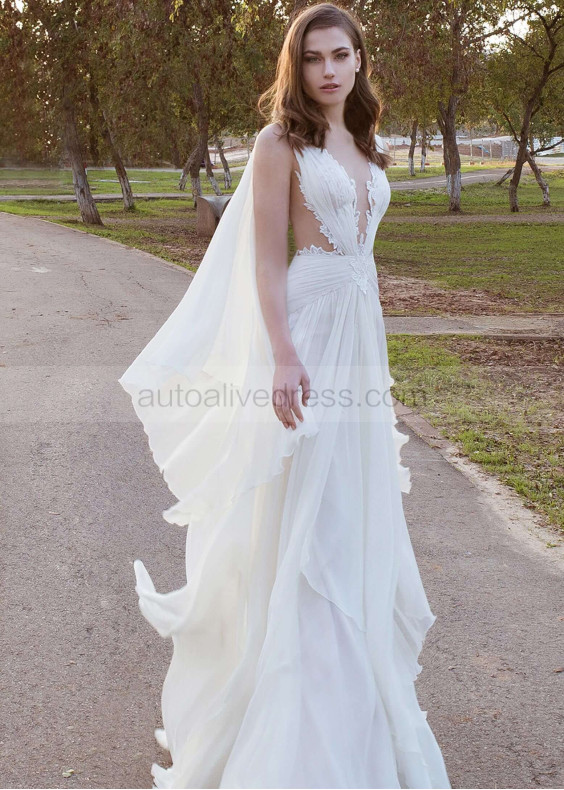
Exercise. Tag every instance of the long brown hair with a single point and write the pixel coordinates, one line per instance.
(300, 117)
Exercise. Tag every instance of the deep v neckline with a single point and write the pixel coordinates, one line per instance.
(369, 185)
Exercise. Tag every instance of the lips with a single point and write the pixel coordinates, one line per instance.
(329, 86)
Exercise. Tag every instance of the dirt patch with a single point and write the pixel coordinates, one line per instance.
(536, 366)
(409, 295)
(518, 355)
(178, 224)
(530, 369)
(175, 238)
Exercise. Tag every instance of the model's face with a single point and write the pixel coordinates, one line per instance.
(329, 58)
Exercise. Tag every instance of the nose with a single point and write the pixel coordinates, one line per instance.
(329, 70)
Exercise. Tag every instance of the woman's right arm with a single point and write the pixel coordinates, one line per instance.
(272, 171)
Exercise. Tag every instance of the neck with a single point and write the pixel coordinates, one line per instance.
(335, 117)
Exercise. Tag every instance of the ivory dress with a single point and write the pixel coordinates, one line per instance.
(296, 636)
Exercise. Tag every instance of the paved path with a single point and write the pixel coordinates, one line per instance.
(538, 325)
(433, 182)
(82, 670)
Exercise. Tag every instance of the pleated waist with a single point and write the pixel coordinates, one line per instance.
(310, 275)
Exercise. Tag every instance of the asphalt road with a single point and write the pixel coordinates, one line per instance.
(82, 671)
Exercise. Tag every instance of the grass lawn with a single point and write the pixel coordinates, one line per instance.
(54, 181)
(480, 198)
(499, 401)
(59, 182)
(520, 266)
(400, 172)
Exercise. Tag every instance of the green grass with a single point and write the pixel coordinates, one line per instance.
(480, 198)
(506, 417)
(59, 182)
(56, 181)
(522, 262)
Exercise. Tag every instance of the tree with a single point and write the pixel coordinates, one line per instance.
(445, 40)
(526, 80)
(225, 47)
(61, 45)
(25, 122)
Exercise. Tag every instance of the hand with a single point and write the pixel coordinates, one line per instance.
(288, 376)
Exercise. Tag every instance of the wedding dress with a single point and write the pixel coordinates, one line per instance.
(296, 636)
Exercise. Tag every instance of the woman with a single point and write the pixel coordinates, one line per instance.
(297, 634)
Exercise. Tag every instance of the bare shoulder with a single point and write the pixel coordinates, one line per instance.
(271, 146)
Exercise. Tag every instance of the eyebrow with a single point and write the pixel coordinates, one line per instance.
(315, 52)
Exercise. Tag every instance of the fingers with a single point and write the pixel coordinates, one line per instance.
(286, 402)
(296, 405)
(282, 403)
(305, 389)
(281, 408)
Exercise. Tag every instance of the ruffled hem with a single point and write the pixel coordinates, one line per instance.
(417, 756)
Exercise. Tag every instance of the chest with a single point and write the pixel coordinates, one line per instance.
(323, 196)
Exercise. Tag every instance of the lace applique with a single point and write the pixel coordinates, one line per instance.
(370, 188)
(322, 226)
(359, 263)
(313, 250)
(360, 272)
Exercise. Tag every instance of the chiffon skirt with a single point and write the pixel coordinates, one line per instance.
(297, 634)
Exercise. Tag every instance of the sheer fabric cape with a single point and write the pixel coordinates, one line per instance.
(214, 349)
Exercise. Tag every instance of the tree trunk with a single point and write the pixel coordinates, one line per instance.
(504, 177)
(193, 164)
(517, 170)
(540, 180)
(126, 191)
(86, 204)
(117, 161)
(210, 174)
(423, 150)
(411, 152)
(447, 123)
(521, 157)
(196, 165)
(193, 157)
(227, 180)
(533, 105)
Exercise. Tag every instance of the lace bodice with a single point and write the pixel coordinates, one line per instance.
(332, 195)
